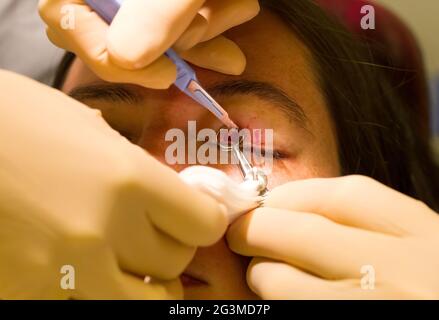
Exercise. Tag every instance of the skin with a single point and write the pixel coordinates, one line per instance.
(306, 150)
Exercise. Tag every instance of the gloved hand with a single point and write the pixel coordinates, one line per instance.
(342, 238)
(131, 49)
(73, 192)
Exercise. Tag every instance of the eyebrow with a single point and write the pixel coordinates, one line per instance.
(264, 91)
(115, 92)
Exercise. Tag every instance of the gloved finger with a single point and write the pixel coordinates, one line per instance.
(219, 54)
(99, 276)
(355, 201)
(130, 47)
(214, 18)
(193, 35)
(128, 287)
(175, 208)
(25, 262)
(273, 280)
(135, 288)
(56, 39)
(226, 14)
(135, 240)
(88, 40)
(308, 241)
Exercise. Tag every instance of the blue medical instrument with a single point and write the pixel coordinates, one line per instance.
(186, 81)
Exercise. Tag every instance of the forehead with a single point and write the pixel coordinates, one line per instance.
(273, 51)
(274, 54)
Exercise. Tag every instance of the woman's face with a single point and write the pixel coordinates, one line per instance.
(306, 145)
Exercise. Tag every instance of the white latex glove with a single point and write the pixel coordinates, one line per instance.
(74, 192)
(131, 49)
(342, 238)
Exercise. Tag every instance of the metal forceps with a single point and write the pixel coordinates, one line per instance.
(248, 172)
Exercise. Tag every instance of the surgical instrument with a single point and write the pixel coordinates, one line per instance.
(249, 172)
(187, 80)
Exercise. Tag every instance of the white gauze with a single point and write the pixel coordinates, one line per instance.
(237, 198)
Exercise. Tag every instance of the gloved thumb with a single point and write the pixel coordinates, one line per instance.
(143, 30)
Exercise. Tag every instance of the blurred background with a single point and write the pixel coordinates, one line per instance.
(25, 49)
(422, 16)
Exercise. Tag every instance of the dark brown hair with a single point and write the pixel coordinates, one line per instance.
(376, 136)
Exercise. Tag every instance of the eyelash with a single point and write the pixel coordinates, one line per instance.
(277, 155)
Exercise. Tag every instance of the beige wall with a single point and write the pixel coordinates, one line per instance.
(423, 18)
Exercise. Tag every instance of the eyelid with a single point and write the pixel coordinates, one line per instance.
(277, 154)
(251, 147)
